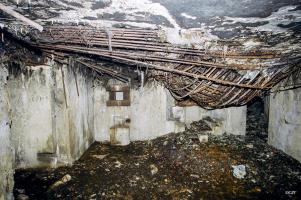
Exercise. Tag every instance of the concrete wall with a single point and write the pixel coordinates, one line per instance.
(6, 152)
(285, 122)
(30, 114)
(231, 120)
(149, 115)
(80, 110)
(46, 119)
(47, 127)
(39, 126)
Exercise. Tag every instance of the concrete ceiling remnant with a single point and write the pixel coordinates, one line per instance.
(216, 52)
(222, 18)
(215, 19)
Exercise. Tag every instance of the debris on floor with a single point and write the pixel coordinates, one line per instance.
(63, 180)
(239, 171)
(175, 166)
(203, 138)
(100, 157)
(154, 169)
(22, 197)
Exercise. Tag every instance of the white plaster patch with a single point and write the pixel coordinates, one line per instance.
(188, 16)
(132, 8)
(284, 16)
(251, 44)
(196, 36)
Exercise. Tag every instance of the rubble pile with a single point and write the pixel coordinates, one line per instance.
(176, 166)
(198, 126)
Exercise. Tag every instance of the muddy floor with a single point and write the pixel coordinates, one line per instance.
(176, 166)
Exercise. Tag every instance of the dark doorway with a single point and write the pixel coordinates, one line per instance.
(257, 122)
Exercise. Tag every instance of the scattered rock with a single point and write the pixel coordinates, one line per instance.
(203, 138)
(21, 191)
(257, 189)
(239, 171)
(62, 181)
(194, 175)
(154, 169)
(100, 157)
(118, 164)
(22, 197)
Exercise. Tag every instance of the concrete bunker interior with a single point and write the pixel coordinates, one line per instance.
(150, 99)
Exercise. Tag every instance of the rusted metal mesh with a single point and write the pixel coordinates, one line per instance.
(213, 78)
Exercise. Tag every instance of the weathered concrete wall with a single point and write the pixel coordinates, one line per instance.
(232, 120)
(6, 152)
(51, 110)
(47, 126)
(39, 124)
(30, 114)
(149, 115)
(285, 122)
(80, 107)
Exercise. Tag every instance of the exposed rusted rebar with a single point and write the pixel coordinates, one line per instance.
(213, 78)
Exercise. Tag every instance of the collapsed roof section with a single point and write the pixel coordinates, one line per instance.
(221, 18)
(195, 64)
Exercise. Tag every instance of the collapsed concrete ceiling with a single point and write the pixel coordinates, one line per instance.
(221, 18)
(218, 53)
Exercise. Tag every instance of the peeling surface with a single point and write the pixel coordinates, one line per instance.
(225, 19)
(274, 23)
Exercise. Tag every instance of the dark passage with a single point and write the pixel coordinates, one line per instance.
(257, 122)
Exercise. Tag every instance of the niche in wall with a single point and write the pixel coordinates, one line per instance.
(119, 95)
